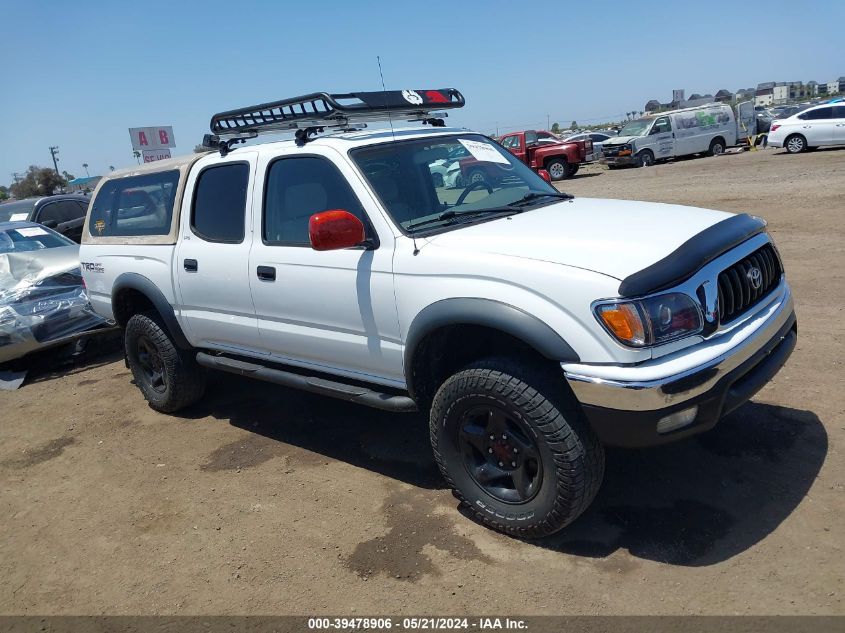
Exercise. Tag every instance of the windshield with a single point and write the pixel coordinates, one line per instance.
(428, 184)
(18, 210)
(636, 128)
(31, 238)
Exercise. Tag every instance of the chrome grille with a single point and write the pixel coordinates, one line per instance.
(737, 292)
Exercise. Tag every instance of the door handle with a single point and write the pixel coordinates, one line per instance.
(191, 265)
(266, 273)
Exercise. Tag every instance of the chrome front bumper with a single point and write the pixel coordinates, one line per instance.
(624, 403)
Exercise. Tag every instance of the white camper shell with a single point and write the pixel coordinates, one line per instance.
(704, 129)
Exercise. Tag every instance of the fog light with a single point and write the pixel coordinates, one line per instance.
(676, 420)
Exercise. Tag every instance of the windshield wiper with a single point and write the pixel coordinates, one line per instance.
(451, 214)
(534, 195)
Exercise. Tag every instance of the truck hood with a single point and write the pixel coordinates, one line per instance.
(612, 237)
(619, 140)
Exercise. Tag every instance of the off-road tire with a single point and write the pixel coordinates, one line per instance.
(183, 379)
(572, 169)
(572, 456)
(795, 144)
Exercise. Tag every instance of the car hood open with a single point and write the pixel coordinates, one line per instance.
(612, 237)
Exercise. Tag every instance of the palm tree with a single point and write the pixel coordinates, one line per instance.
(111, 167)
(137, 156)
(85, 165)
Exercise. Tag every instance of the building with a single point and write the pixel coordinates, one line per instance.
(780, 92)
(745, 94)
(724, 96)
(764, 97)
(812, 88)
(833, 87)
(653, 106)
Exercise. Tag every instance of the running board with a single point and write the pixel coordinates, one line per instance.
(340, 390)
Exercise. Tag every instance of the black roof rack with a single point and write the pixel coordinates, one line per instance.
(337, 110)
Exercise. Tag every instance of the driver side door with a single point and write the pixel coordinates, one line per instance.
(331, 311)
(661, 138)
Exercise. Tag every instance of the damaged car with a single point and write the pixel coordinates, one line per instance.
(43, 302)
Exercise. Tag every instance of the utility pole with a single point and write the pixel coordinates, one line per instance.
(17, 177)
(53, 151)
(548, 124)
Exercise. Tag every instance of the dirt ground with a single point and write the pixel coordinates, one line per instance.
(261, 500)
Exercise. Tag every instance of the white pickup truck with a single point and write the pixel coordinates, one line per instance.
(535, 327)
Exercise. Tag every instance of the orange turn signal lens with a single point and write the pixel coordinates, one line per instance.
(624, 152)
(624, 322)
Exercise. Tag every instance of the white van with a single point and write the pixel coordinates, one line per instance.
(704, 129)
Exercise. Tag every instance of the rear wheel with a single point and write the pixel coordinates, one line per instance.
(717, 146)
(477, 176)
(572, 169)
(558, 168)
(169, 377)
(515, 448)
(795, 144)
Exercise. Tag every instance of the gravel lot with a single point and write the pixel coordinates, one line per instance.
(261, 500)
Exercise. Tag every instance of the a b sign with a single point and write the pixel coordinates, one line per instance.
(149, 138)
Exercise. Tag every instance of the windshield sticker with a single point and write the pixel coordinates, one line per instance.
(31, 231)
(100, 225)
(16, 217)
(484, 152)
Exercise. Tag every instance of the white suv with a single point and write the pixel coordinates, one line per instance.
(534, 327)
(811, 128)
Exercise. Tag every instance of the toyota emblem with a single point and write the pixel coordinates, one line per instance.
(755, 278)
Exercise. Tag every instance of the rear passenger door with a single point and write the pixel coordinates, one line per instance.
(212, 259)
(331, 311)
(819, 126)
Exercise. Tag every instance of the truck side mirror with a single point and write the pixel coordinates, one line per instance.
(334, 230)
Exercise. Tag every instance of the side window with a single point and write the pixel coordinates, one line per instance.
(661, 125)
(814, 115)
(839, 112)
(297, 188)
(137, 205)
(219, 209)
(530, 137)
(60, 211)
(598, 138)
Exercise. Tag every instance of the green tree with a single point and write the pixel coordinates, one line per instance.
(555, 128)
(4, 193)
(574, 126)
(38, 181)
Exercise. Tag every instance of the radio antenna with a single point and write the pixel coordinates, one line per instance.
(384, 90)
(392, 133)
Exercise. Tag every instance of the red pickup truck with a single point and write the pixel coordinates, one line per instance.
(542, 150)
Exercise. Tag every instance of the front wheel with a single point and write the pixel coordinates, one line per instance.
(645, 158)
(169, 377)
(515, 448)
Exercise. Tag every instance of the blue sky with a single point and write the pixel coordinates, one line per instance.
(78, 75)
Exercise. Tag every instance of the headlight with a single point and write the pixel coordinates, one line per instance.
(625, 150)
(650, 321)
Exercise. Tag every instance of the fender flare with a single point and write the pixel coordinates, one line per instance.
(134, 281)
(487, 313)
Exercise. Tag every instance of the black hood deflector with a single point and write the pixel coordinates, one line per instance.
(690, 256)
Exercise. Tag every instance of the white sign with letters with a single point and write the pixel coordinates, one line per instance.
(150, 156)
(147, 138)
(484, 152)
